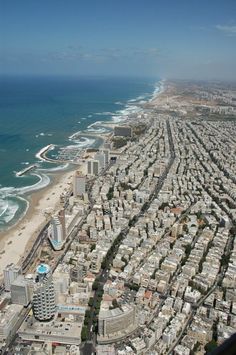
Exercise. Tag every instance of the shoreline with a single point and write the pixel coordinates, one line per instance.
(19, 238)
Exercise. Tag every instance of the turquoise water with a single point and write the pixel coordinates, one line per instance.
(35, 112)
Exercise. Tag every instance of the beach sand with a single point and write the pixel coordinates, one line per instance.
(17, 240)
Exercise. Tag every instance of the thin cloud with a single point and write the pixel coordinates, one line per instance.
(104, 54)
(79, 53)
(228, 30)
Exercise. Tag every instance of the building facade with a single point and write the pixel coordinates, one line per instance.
(93, 167)
(57, 230)
(122, 131)
(44, 304)
(11, 272)
(116, 323)
(79, 184)
(20, 291)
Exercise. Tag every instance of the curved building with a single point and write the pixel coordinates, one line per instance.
(116, 324)
(44, 304)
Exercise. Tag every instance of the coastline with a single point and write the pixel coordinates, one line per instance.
(18, 239)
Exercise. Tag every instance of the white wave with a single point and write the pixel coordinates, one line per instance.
(130, 109)
(95, 124)
(89, 116)
(119, 103)
(117, 118)
(141, 97)
(83, 118)
(3, 207)
(57, 168)
(127, 112)
(159, 88)
(6, 191)
(10, 212)
(42, 134)
(13, 207)
(106, 113)
(25, 163)
(44, 181)
(74, 135)
(81, 143)
(9, 206)
(9, 196)
(97, 130)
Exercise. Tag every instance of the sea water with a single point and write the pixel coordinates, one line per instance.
(38, 111)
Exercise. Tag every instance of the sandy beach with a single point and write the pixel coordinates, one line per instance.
(17, 240)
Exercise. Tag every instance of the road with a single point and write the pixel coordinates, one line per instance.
(40, 239)
(88, 347)
(104, 274)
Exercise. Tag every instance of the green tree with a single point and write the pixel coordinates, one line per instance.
(95, 285)
(93, 246)
(90, 302)
(209, 347)
(84, 333)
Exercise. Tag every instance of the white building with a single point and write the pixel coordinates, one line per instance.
(107, 155)
(79, 184)
(57, 230)
(20, 291)
(11, 272)
(44, 306)
(116, 323)
(101, 157)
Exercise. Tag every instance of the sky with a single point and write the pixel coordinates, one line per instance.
(193, 39)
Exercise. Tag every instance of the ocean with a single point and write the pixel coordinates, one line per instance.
(38, 111)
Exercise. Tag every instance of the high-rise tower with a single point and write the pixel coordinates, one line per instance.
(79, 184)
(44, 306)
(57, 230)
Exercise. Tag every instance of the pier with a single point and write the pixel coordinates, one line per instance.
(26, 170)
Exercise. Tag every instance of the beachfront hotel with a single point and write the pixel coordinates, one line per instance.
(79, 184)
(57, 230)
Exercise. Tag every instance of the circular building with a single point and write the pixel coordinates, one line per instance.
(44, 304)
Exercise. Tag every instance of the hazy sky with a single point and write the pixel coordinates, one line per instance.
(164, 38)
